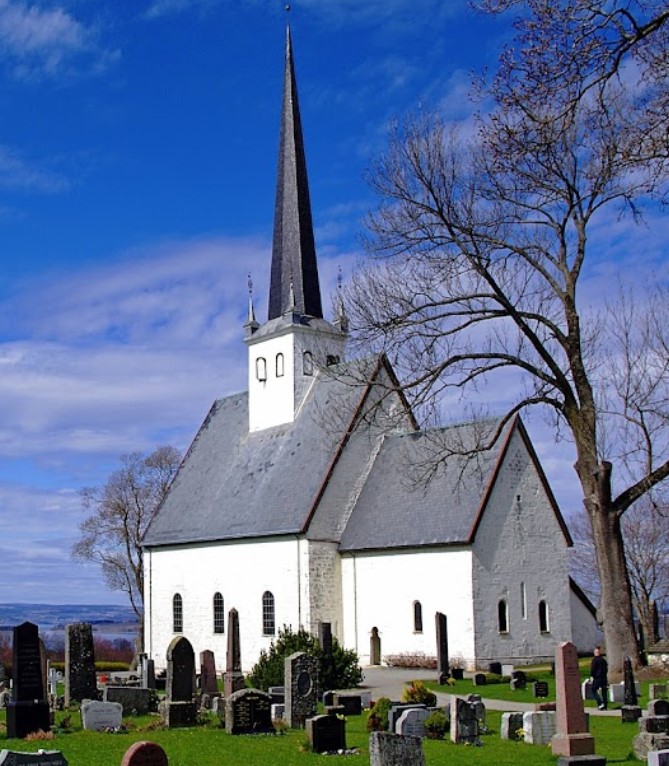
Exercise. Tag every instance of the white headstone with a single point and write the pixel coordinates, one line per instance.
(97, 716)
(539, 727)
(412, 722)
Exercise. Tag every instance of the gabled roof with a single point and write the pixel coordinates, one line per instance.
(294, 282)
(400, 507)
(233, 484)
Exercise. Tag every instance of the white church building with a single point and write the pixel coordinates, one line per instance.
(296, 506)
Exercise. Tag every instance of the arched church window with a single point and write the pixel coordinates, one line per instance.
(268, 622)
(307, 363)
(279, 365)
(523, 601)
(417, 617)
(502, 616)
(177, 614)
(261, 368)
(543, 617)
(219, 614)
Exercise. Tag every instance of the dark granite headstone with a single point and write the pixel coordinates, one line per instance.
(630, 711)
(233, 678)
(658, 707)
(441, 625)
(518, 680)
(144, 754)
(386, 749)
(301, 685)
(328, 697)
(327, 733)
(28, 711)
(134, 699)
(352, 703)
(512, 723)
(178, 708)
(248, 711)
(496, 668)
(325, 638)
(464, 723)
(180, 684)
(44, 758)
(208, 672)
(479, 679)
(540, 689)
(80, 680)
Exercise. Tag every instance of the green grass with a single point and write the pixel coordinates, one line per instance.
(211, 746)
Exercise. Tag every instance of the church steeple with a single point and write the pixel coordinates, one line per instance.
(293, 249)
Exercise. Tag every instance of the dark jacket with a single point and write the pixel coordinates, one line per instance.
(599, 669)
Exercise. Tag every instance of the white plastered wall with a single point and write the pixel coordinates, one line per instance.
(241, 571)
(519, 549)
(586, 633)
(379, 590)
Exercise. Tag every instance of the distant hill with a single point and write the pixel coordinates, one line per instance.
(52, 617)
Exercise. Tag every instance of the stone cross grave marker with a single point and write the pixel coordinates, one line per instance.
(144, 754)
(80, 680)
(208, 672)
(387, 749)
(572, 737)
(28, 711)
(301, 685)
(233, 679)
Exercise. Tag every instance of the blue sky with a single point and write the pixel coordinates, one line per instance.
(138, 145)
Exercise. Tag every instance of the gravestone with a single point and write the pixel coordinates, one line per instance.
(43, 758)
(328, 697)
(208, 672)
(80, 680)
(479, 679)
(518, 680)
(512, 723)
(387, 749)
(496, 668)
(507, 670)
(396, 710)
(586, 690)
(100, 716)
(144, 754)
(658, 758)
(464, 723)
(28, 710)
(657, 691)
(630, 712)
(325, 640)
(412, 722)
(135, 699)
(653, 735)
(248, 711)
(479, 709)
(352, 703)
(148, 668)
(233, 678)
(179, 709)
(441, 625)
(375, 647)
(326, 733)
(540, 689)
(278, 694)
(658, 707)
(572, 737)
(301, 686)
(539, 726)
(278, 711)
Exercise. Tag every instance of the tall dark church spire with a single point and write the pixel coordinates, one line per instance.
(294, 279)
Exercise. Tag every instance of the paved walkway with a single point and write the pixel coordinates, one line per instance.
(389, 682)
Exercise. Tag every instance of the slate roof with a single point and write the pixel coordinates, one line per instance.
(293, 248)
(234, 484)
(399, 507)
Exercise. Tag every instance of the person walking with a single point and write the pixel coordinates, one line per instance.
(599, 671)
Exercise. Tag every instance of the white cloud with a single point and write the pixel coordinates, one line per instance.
(18, 173)
(161, 8)
(45, 42)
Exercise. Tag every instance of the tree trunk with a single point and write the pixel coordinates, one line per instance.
(615, 611)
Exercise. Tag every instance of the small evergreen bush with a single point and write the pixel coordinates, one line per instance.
(436, 725)
(419, 693)
(341, 672)
(377, 718)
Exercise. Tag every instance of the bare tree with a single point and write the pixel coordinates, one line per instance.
(119, 513)
(645, 530)
(480, 247)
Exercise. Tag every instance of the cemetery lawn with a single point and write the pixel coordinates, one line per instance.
(210, 745)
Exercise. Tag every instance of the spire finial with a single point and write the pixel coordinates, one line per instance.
(250, 325)
(341, 320)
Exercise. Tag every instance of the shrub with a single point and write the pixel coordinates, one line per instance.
(417, 692)
(377, 718)
(411, 660)
(435, 725)
(341, 672)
